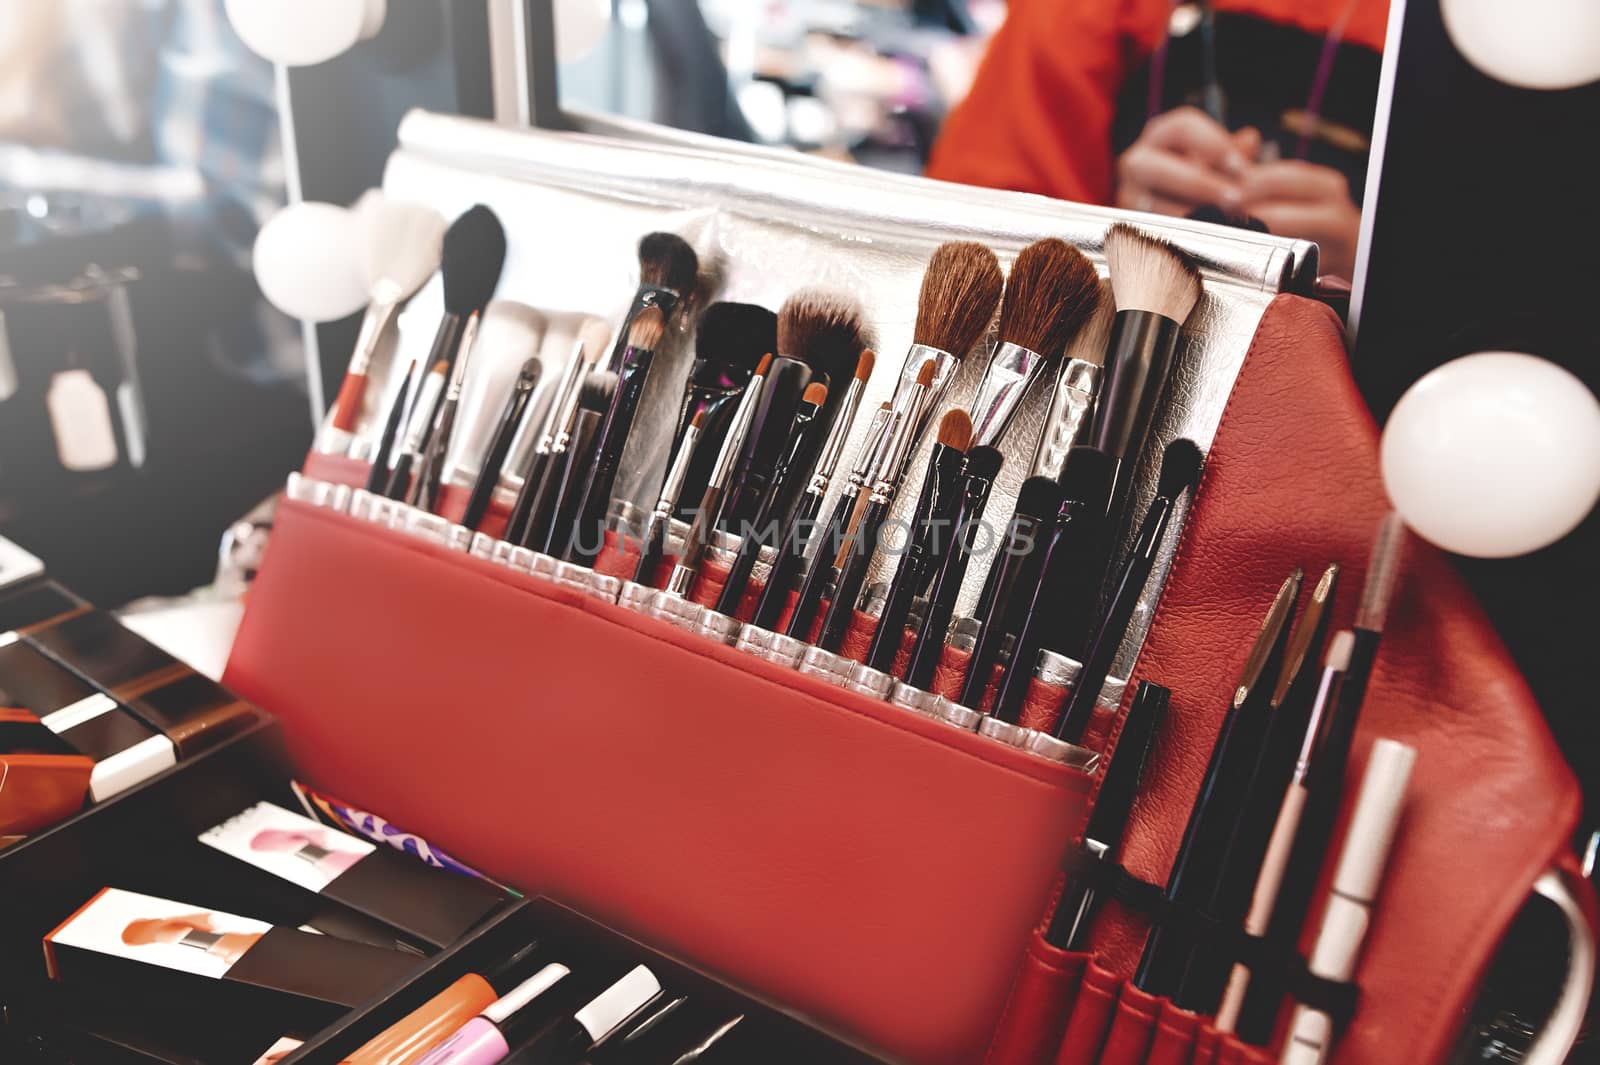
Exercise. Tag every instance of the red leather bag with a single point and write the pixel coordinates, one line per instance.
(878, 872)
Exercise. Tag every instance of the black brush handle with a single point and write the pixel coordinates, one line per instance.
(527, 495)
(589, 520)
(568, 491)
(790, 564)
(652, 549)
(1018, 567)
(822, 575)
(853, 576)
(744, 562)
(425, 492)
(929, 649)
(542, 514)
(378, 476)
(499, 447)
(400, 476)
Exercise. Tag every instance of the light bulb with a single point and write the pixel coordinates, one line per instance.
(307, 262)
(1532, 44)
(1494, 454)
(299, 33)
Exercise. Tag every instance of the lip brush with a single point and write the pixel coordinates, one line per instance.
(1194, 871)
(790, 563)
(1180, 467)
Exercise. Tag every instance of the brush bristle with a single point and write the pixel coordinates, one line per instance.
(1091, 342)
(825, 330)
(1052, 291)
(646, 328)
(530, 372)
(402, 243)
(1339, 649)
(1039, 497)
(1148, 274)
(816, 394)
(958, 297)
(474, 252)
(597, 390)
(864, 366)
(699, 420)
(955, 429)
(595, 335)
(926, 372)
(764, 365)
(736, 335)
(442, 367)
(667, 261)
(983, 461)
(1180, 465)
(1383, 571)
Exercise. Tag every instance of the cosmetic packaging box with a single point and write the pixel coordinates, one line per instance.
(879, 869)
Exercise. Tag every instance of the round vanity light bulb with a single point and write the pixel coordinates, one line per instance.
(307, 262)
(300, 33)
(1531, 44)
(1494, 455)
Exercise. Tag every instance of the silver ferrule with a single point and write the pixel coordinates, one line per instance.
(1043, 745)
(833, 447)
(881, 421)
(677, 473)
(1068, 419)
(963, 635)
(1057, 669)
(898, 441)
(373, 324)
(564, 402)
(738, 429)
(1011, 370)
(678, 584)
(945, 366)
(458, 374)
(422, 410)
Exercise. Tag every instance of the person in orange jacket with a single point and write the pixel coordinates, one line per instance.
(1257, 109)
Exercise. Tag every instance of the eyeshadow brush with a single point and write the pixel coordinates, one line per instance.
(1217, 806)
(789, 566)
(668, 267)
(500, 444)
(1325, 781)
(1180, 469)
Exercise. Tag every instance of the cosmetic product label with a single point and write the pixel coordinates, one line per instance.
(155, 931)
(287, 845)
(278, 1051)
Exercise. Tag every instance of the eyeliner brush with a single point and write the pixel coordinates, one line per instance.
(1155, 287)
(1180, 469)
(587, 535)
(500, 444)
(1217, 806)
(1102, 836)
(378, 476)
(557, 427)
(831, 540)
(983, 464)
(931, 521)
(789, 566)
(705, 519)
(652, 547)
(1325, 781)
(862, 537)
(797, 454)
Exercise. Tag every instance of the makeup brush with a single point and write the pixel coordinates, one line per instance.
(955, 305)
(763, 529)
(871, 508)
(587, 535)
(788, 567)
(1052, 292)
(1229, 902)
(983, 464)
(1072, 401)
(653, 545)
(1102, 836)
(378, 476)
(500, 443)
(932, 522)
(430, 471)
(1194, 871)
(556, 432)
(705, 519)
(667, 271)
(1057, 610)
(1325, 780)
(817, 330)
(1180, 469)
(1264, 898)
(1155, 286)
(831, 539)
(424, 397)
(730, 339)
(402, 244)
(550, 520)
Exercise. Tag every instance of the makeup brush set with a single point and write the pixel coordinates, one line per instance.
(929, 697)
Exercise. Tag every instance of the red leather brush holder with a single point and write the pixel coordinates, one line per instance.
(879, 872)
